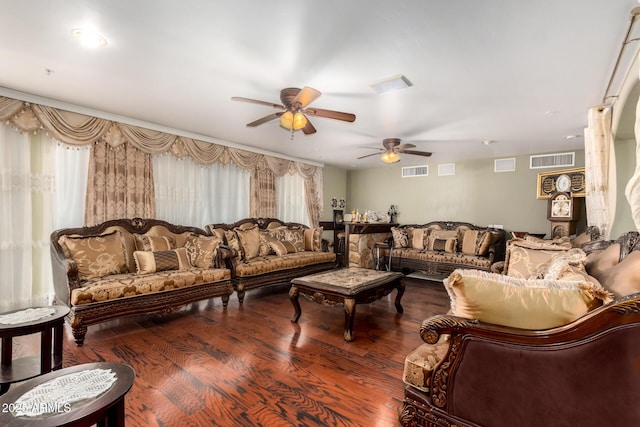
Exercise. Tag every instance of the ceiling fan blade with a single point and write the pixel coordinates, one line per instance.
(255, 101)
(417, 153)
(306, 96)
(308, 129)
(368, 155)
(330, 114)
(405, 146)
(265, 119)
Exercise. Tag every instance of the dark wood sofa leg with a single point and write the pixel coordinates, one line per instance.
(78, 334)
(225, 300)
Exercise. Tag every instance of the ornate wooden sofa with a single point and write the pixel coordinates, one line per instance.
(134, 266)
(583, 372)
(270, 252)
(439, 247)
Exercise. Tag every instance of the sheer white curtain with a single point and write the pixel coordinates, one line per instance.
(72, 165)
(290, 199)
(189, 194)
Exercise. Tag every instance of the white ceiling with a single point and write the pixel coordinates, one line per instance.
(520, 73)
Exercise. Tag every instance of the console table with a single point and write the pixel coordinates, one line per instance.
(49, 321)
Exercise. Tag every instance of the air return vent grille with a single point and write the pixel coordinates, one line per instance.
(412, 171)
(447, 169)
(552, 160)
(504, 165)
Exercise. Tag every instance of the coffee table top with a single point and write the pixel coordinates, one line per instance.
(348, 281)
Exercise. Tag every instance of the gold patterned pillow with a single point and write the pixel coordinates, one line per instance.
(232, 241)
(295, 236)
(526, 259)
(154, 243)
(313, 239)
(443, 245)
(476, 242)
(521, 303)
(153, 261)
(97, 256)
(282, 247)
(400, 237)
(202, 250)
(419, 238)
(249, 239)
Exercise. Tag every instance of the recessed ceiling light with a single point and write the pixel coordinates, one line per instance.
(89, 38)
(488, 141)
(572, 136)
(391, 83)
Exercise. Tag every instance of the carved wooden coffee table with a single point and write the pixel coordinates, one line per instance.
(347, 286)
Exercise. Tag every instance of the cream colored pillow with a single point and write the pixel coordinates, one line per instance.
(97, 256)
(526, 259)
(313, 239)
(153, 261)
(418, 238)
(520, 303)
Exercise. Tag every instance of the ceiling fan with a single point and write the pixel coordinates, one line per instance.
(391, 149)
(294, 103)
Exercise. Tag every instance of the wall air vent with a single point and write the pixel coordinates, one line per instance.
(552, 160)
(411, 171)
(447, 169)
(504, 165)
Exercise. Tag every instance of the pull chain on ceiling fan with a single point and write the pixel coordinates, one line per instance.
(294, 117)
(391, 149)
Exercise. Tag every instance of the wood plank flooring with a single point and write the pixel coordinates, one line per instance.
(250, 365)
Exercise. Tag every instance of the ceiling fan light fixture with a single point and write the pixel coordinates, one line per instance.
(390, 157)
(293, 121)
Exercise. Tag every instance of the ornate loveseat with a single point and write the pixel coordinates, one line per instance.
(439, 247)
(568, 356)
(270, 252)
(134, 266)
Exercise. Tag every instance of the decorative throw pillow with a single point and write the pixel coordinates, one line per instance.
(624, 277)
(528, 304)
(559, 266)
(282, 247)
(153, 243)
(476, 242)
(277, 233)
(264, 248)
(232, 241)
(97, 256)
(313, 239)
(444, 245)
(418, 237)
(202, 250)
(525, 259)
(249, 242)
(295, 236)
(153, 261)
(400, 237)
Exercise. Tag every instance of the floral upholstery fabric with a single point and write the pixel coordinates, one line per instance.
(444, 257)
(421, 362)
(249, 239)
(528, 259)
(202, 250)
(400, 237)
(270, 263)
(127, 285)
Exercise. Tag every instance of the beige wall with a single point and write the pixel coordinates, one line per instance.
(475, 194)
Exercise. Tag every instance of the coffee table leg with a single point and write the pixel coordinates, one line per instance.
(293, 296)
(349, 316)
(399, 294)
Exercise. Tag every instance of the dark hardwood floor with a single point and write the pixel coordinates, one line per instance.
(251, 366)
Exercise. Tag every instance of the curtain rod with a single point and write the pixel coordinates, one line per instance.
(634, 14)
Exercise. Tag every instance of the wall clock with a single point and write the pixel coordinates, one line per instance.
(566, 181)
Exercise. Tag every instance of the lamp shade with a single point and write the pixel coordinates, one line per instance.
(299, 121)
(286, 120)
(390, 157)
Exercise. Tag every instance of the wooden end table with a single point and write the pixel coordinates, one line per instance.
(51, 328)
(106, 409)
(349, 287)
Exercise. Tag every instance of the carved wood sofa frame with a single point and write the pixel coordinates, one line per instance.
(66, 278)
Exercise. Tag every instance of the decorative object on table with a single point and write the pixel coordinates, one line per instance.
(392, 212)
